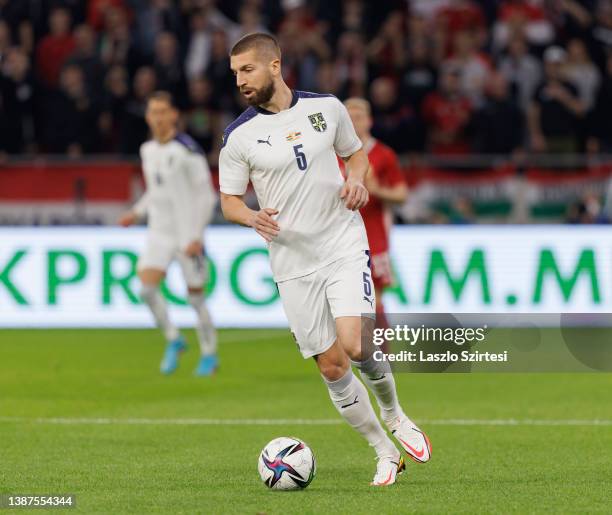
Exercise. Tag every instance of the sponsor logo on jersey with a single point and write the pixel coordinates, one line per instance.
(292, 136)
(265, 141)
(318, 122)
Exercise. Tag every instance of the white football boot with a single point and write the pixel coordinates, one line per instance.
(387, 469)
(411, 438)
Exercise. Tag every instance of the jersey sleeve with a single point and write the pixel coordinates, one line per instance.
(346, 142)
(233, 169)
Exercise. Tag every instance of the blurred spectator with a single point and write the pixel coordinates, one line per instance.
(574, 15)
(394, 49)
(25, 37)
(135, 130)
(601, 31)
(427, 9)
(498, 124)
(152, 18)
(351, 67)
(97, 10)
(16, 102)
(303, 45)
(419, 76)
(418, 28)
(249, 20)
(70, 117)
(201, 117)
(522, 16)
(168, 67)
(13, 12)
(116, 84)
(421, 32)
(393, 122)
(418, 79)
(582, 73)
(601, 119)
(556, 110)
(198, 47)
(522, 70)
(386, 50)
(116, 45)
(86, 57)
(462, 16)
(352, 17)
(5, 38)
(328, 80)
(217, 18)
(219, 72)
(473, 65)
(447, 114)
(56, 47)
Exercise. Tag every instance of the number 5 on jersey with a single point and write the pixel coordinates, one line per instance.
(300, 157)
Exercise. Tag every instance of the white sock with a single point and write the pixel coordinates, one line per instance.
(151, 296)
(207, 336)
(381, 383)
(352, 402)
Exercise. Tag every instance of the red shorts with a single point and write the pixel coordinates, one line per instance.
(381, 270)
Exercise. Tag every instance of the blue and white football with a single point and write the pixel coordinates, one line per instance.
(287, 463)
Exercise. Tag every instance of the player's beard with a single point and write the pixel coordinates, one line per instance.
(263, 95)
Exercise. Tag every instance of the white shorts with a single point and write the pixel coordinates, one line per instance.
(313, 302)
(161, 250)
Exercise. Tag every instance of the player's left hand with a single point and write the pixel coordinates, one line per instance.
(195, 248)
(354, 194)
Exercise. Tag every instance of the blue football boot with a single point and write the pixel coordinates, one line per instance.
(171, 356)
(207, 365)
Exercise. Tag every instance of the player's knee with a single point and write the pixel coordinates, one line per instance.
(333, 366)
(354, 352)
(333, 371)
(351, 344)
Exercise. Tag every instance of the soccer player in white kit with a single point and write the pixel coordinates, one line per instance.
(286, 145)
(179, 202)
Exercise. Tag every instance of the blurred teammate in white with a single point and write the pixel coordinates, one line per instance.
(179, 202)
(286, 145)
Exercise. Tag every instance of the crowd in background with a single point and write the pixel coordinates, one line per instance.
(443, 76)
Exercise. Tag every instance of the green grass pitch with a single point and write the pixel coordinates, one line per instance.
(121, 467)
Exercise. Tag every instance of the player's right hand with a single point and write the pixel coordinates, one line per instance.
(127, 219)
(265, 225)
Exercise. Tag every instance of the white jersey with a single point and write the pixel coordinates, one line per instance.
(179, 200)
(290, 158)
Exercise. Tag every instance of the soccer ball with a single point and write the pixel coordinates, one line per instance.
(286, 464)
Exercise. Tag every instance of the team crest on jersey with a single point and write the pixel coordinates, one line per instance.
(318, 122)
(292, 136)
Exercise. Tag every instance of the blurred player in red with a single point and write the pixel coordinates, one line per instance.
(386, 185)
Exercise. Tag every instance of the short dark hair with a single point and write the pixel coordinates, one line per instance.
(162, 96)
(260, 41)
